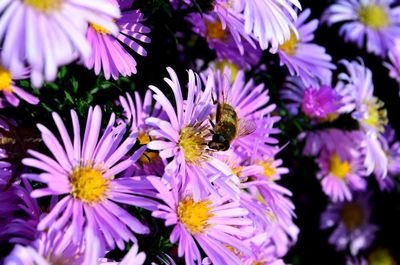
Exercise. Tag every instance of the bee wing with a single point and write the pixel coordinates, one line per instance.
(246, 127)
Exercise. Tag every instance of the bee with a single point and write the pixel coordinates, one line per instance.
(228, 127)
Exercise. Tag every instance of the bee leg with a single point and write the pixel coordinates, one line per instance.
(212, 123)
(215, 102)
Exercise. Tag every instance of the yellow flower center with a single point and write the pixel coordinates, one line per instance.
(269, 213)
(214, 30)
(194, 215)
(234, 69)
(5, 80)
(329, 118)
(377, 115)
(99, 29)
(45, 5)
(144, 137)
(269, 170)
(352, 215)
(373, 16)
(88, 184)
(193, 143)
(381, 256)
(237, 170)
(338, 168)
(289, 46)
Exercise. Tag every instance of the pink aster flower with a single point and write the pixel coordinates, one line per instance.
(251, 104)
(10, 93)
(351, 224)
(212, 224)
(53, 248)
(135, 113)
(109, 53)
(270, 21)
(307, 60)
(85, 175)
(341, 174)
(184, 135)
(46, 35)
(319, 102)
(377, 21)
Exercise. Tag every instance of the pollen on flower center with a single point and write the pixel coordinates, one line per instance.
(269, 170)
(380, 256)
(88, 184)
(373, 16)
(144, 137)
(377, 115)
(352, 215)
(193, 143)
(338, 168)
(45, 5)
(194, 215)
(215, 30)
(5, 80)
(99, 29)
(289, 47)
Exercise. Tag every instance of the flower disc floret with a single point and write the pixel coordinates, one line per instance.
(373, 16)
(5, 80)
(289, 46)
(45, 5)
(194, 215)
(339, 168)
(193, 143)
(352, 215)
(88, 184)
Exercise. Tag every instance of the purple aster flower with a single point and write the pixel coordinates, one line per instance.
(369, 112)
(213, 224)
(356, 261)
(84, 174)
(10, 91)
(377, 21)
(53, 248)
(391, 148)
(263, 251)
(135, 113)
(46, 35)
(228, 46)
(394, 62)
(109, 53)
(318, 140)
(250, 102)
(341, 174)
(184, 135)
(307, 60)
(22, 228)
(320, 102)
(350, 221)
(283, 231)
(133, 257)
(270, 21)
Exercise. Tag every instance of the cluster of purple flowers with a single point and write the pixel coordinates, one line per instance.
(202, 155)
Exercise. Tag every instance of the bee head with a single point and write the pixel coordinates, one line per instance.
(219, 142)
